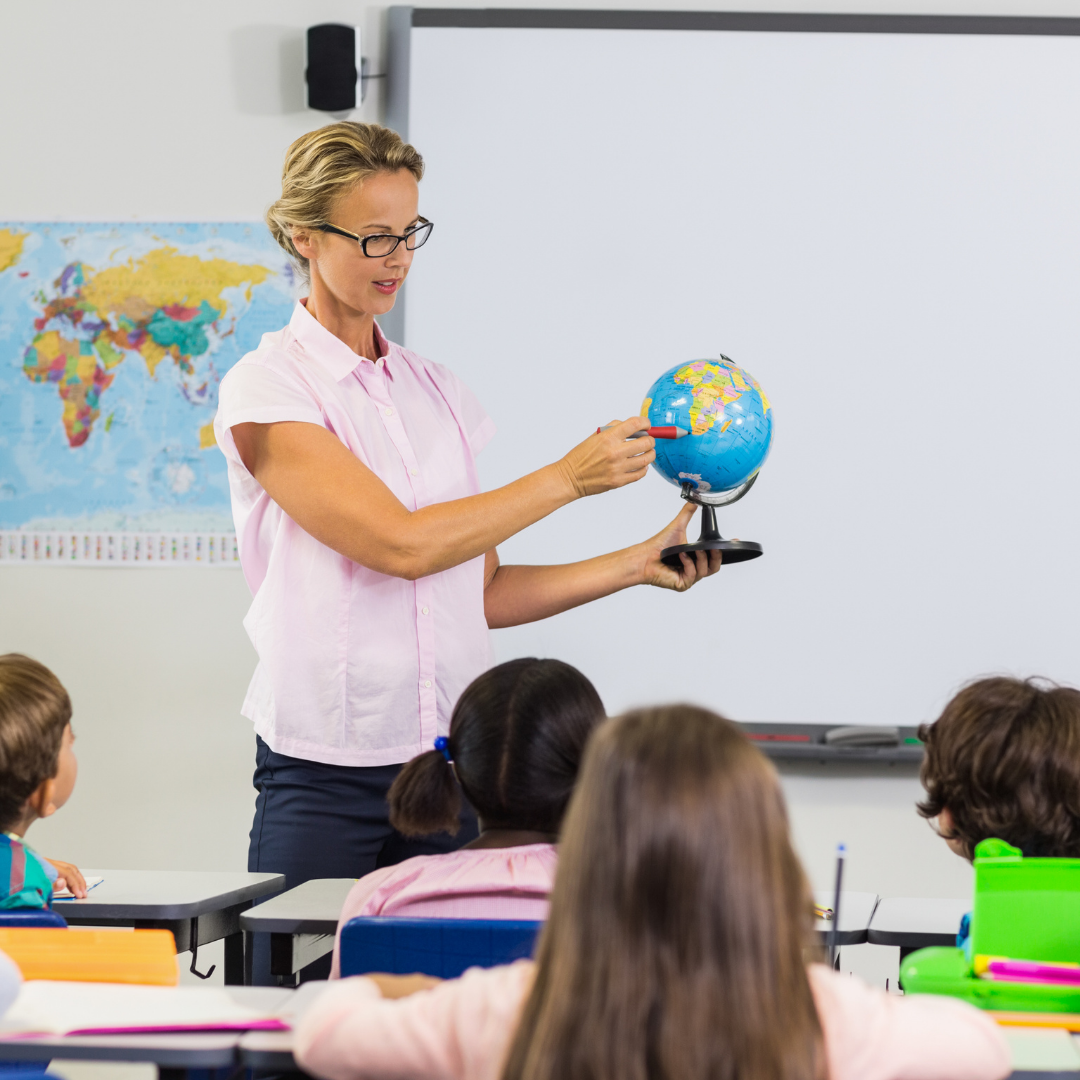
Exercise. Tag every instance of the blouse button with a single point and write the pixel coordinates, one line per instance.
(413, 472)
(424, 610)
(389, 411)
(427, 682)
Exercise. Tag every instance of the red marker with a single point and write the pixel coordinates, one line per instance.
(669, 432)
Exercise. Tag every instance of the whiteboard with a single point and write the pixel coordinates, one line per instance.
(884, 229)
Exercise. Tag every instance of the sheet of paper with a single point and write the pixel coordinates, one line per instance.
(1042, 1049)
(67, 894)
(65, 1008)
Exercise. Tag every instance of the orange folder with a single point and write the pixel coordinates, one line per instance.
(137, 956)
(1069, 1021)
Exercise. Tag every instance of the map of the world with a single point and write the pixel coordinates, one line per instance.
(113, 341)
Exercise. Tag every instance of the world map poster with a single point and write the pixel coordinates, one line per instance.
(113, 341)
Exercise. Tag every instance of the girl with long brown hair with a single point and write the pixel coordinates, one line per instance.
(680, 946)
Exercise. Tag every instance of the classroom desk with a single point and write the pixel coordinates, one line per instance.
(301, 922)
(856, 911)
(916, 923)
(197, 906)
(174, 1054)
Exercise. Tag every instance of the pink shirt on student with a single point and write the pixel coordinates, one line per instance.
(476, 883)
(461, 1030)
(355, 667)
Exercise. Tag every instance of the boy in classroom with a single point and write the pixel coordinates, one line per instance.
(37, 776)
(1003, 761)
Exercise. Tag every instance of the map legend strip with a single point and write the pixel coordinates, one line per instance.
(214, 550)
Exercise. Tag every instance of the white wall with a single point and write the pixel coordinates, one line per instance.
(123, 110)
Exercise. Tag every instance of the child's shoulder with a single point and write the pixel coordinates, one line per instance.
(25, 877)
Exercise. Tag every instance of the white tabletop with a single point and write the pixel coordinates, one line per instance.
(856, 911)
(165, 894)
(310, 908)
(917, 922)
(196, 1050)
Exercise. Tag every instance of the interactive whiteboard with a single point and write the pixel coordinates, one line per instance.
(882, 227)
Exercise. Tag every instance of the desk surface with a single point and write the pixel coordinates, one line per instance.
(310, 908)
(856, 911)
(165, 894)
(199, 1050)
(916, 923)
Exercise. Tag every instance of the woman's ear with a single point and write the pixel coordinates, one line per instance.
(301, 239)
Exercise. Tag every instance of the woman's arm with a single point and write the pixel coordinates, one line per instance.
(520, 594)
(333, 496)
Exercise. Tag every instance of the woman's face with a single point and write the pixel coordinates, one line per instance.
(385, 203)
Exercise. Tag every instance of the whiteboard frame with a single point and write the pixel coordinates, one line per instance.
(401, 19)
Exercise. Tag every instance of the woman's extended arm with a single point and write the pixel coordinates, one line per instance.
(520, 594)
(330, 494)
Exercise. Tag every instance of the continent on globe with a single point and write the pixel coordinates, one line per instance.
(713, 385)
(729, 419)
(158, 306)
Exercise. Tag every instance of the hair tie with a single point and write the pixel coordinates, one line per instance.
(442, 744)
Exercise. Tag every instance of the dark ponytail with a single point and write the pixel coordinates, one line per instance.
(517, 735)
(425, 798)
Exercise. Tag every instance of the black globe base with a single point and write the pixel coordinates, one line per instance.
(734, 551)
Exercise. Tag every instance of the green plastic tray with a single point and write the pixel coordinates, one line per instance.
(947, 971)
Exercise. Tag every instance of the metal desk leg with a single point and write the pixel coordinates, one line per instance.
(249, 957)
(235, 970)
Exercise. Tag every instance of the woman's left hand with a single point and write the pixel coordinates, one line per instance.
(696, 565)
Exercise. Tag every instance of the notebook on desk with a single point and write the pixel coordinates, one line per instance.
(67, 894)
(70, 1008)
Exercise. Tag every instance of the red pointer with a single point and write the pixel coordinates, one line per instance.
(670, 432)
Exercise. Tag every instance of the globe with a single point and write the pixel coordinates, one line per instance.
(729, 419)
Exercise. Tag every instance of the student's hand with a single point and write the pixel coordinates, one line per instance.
(696, 565)
(399, 986)
(69, 877)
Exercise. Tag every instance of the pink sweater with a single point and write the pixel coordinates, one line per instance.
(478, 883)
(461, 1030)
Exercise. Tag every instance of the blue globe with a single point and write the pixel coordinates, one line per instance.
(729, 419)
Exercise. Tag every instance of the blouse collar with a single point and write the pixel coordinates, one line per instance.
(330, 351)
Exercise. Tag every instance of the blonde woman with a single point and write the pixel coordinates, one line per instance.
(680, 946)
(369, 548)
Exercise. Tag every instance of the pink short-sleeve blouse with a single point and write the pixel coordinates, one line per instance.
(355, 667)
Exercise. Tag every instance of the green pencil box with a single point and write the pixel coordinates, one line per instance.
(1024, 909)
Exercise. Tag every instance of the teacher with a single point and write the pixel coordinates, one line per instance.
(368, 546)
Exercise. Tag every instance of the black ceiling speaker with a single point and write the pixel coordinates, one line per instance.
(332, 67)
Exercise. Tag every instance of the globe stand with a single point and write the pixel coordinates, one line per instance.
(734, 551)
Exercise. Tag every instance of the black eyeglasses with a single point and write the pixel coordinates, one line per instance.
(379, 245)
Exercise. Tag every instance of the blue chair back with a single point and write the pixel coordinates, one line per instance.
(32, 917)
(441, 947)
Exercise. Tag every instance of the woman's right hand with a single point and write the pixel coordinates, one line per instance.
(609, 459)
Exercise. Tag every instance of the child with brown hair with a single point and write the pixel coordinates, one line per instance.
(1003, 761)
(680, 944)
(37, 775)
(517, 736)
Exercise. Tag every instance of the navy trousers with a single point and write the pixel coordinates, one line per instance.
(329, 821)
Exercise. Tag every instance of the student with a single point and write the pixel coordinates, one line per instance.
(677, 946)
(1003, 760)
(37, 775)
(516, 738)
